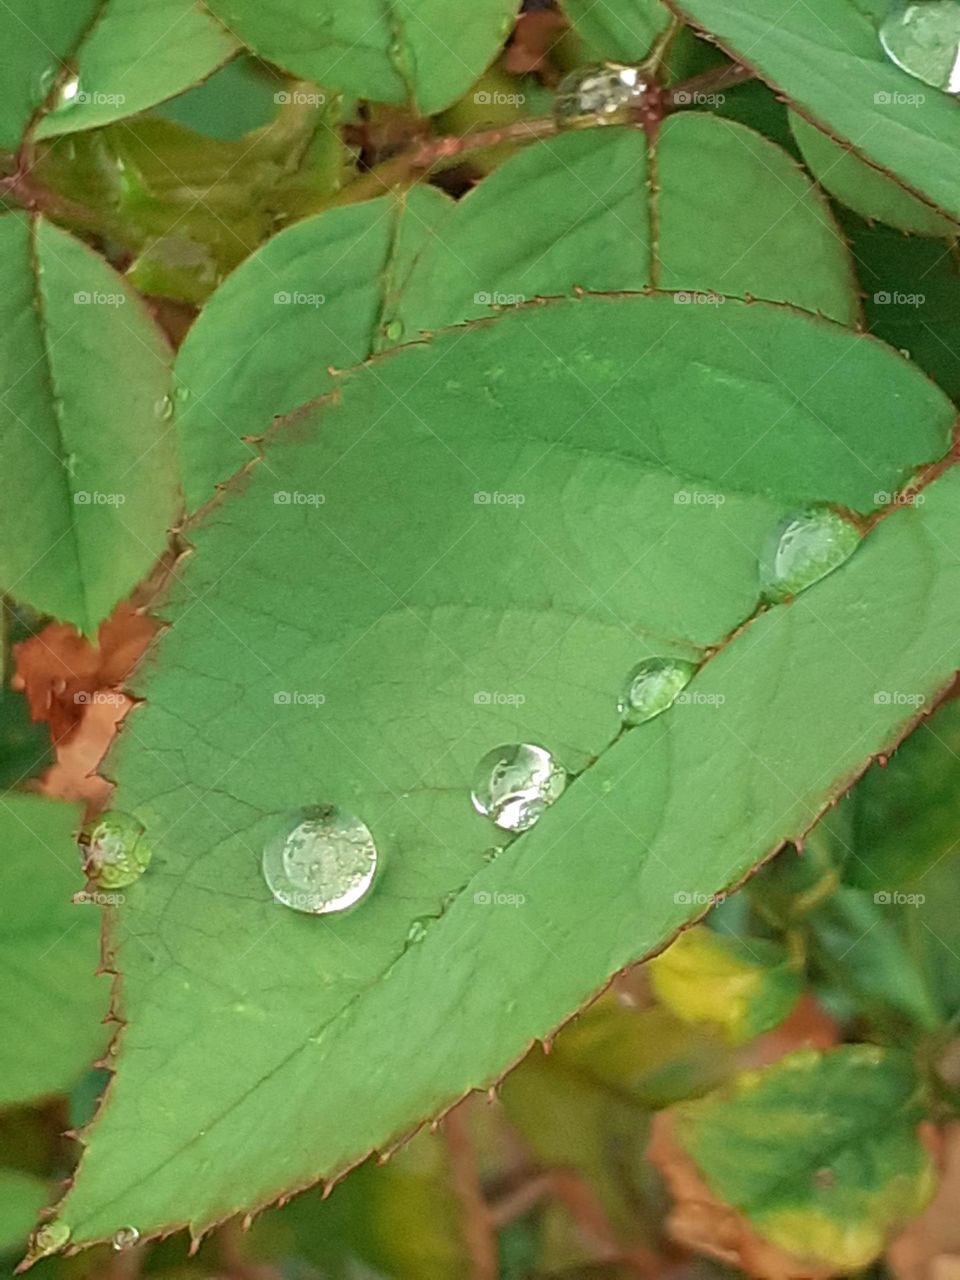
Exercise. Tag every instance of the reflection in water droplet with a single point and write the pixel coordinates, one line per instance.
(164, 408)
(50, 1238)
(322, 860)
(69, 94)
(116, 850)
(606, 94)
(806, 548)
(922, 37)
(653, 686)
(513, 785)
(126, 1238)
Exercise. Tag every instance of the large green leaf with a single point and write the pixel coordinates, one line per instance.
(380, 608)
(820, 1152)
(825, 55)
(626, 30)
(421, 52)
(22, 1196)
(388, 269)
(51, 1002)
(36, 40)
(86, 444)
(136, 54)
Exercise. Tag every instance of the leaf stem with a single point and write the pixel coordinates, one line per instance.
(478, 1229)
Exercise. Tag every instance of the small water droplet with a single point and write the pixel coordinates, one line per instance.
(922, 37)
(69, 94)
(50, 1238)
(652, 686)
(609, 93)
(125, 1238)
(513, 785)
(394, 331)
(164, 408)
(322, 860)
(116, 850)
(418, 929)
(808, 546)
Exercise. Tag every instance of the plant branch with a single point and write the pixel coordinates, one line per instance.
(478, 1226)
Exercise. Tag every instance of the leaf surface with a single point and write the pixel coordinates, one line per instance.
(366, 640)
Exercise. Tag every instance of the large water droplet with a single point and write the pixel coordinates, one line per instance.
(125, 1238)
(653, 686)
(50, 1238)
(69, 94)
(808, 546)
(116, 850)
(606, 94)
(923, 38)
(513, 785)
(322, 860)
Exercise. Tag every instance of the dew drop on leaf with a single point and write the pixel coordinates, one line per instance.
(164, 408)
(69, 94)
(922, 37)
(808, 546)
(652, 686)
(513, 785)
(393, 331)
(321, 860)
(116, 850)
(606, 94)
(125, 1238)
(50, 1238)
(418, 930)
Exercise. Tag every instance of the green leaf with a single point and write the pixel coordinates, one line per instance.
(51, 1002)
(625, 30)
(93, 472)
(740, 986)
(36, 39)
(826, 57)
(912, 290)
(25, 745)
(820, 1151)
(22, 1196)
(134, 55)
(314, 296)
(423, 53)
(392, 267)
(361, 607)
(867, 191)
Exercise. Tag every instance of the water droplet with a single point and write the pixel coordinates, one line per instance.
(69, 94)
(164, 408)
(418, 929)
(806, 548)
(50, 1238)
(126, 1238)
(394, 331)
(322, 860)
(922, 37)
(116, 850)
(513, 785)
(652, 686)
(609, 93)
